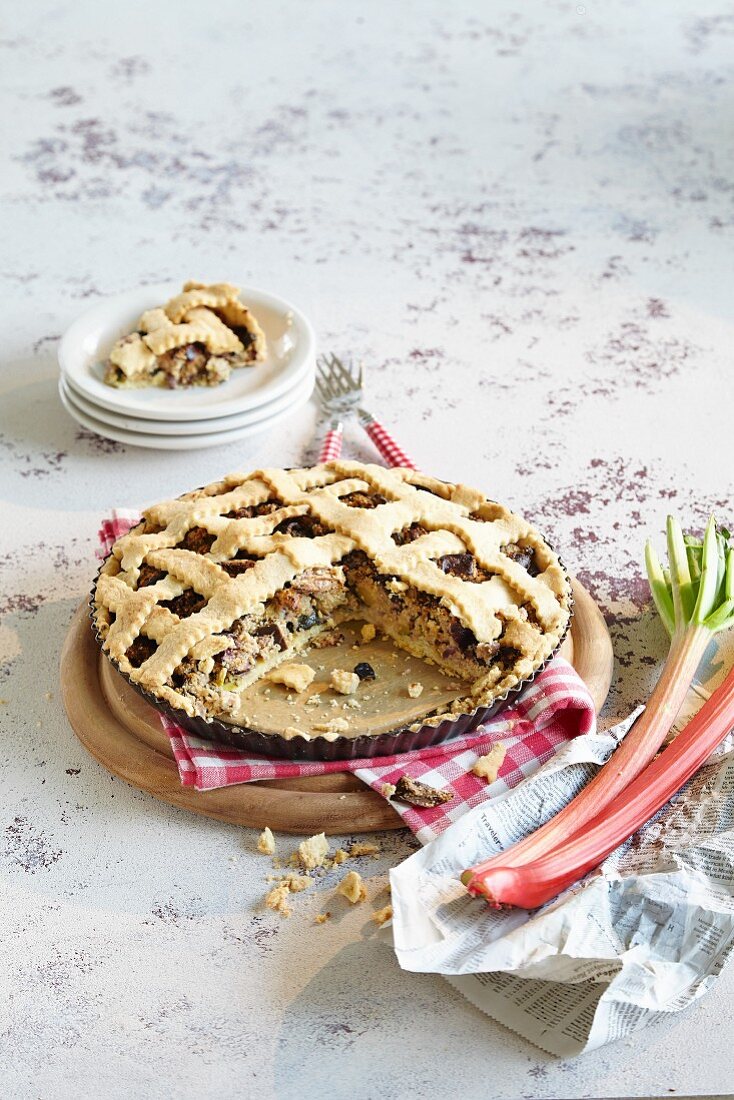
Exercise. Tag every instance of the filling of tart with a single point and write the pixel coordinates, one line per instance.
(318, 600)
(189, 365)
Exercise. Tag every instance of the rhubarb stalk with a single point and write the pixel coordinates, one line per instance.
(695, 599)
(535, 883)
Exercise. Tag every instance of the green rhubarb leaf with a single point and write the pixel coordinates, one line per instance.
(684, 594)
(659, 587)
(709, 583)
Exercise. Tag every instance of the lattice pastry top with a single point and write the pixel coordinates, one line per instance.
(460, 558)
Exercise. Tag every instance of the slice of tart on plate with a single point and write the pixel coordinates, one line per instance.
(195, 339)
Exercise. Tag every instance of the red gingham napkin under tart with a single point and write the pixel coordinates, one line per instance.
(554, 708)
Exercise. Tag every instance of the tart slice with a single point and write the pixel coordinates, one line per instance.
(214, 589)
(195, 339)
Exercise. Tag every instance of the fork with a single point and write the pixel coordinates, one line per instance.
(340, 388)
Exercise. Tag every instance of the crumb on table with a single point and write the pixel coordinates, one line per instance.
(368, 632)
(364, 848)
(266, 842)
(296, 883)
(415, 689)
(277, 899)
(313, 851)
(382, 916)
(352, 888)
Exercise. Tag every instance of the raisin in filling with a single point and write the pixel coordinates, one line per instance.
(365, 671)
(149, 575)
(141, 649)
(188, 603)
(236, 567)
(301, 527)
(243, 335)
(465, 566)
(523, 555)
(409, 534)
(197, 539)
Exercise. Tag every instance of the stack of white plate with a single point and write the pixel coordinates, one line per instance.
(253, 400)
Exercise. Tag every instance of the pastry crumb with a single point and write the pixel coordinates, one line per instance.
(294, 676)
(382, 916)
(324, 641)
(296, 883)
(488, 766)
(368, 632)
(387, 790)
(340, 856)
(344, 682)
(277, 899)
(352, 888)
(420, 794)
(336, 725)
(364, 848)
(415, 689)
(313, 852)
(266, 842)
(321, 918)
(292, 731)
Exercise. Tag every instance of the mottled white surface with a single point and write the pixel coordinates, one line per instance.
(521, 217)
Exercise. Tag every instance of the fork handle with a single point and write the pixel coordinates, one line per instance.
(386, 445)
(331, 448)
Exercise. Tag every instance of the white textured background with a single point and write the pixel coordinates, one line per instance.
(521, 217)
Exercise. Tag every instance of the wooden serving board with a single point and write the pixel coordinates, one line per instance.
(124, 734)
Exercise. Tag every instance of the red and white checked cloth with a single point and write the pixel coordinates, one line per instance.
(554, 708)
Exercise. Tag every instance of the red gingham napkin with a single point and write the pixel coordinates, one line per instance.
(555, 707)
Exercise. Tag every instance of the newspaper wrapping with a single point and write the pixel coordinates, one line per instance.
(642, 937)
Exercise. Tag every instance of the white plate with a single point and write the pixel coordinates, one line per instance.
(186, 427)
(180, 442)
(85, 345)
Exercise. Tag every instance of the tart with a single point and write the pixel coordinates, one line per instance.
(213, 590)
(195, 339)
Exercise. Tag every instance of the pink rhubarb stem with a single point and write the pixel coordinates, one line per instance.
(533, 884)
(635, 753)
